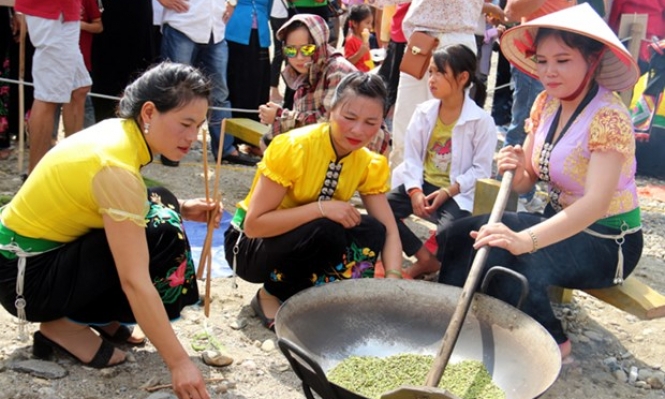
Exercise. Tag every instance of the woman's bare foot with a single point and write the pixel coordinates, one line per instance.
(426, 264)
(565, 348)
(79, 340)
(269, 303)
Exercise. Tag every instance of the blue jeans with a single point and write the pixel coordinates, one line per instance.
(212, 59)
(525, 91)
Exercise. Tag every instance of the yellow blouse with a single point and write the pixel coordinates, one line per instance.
(300, 160)
(91, 173)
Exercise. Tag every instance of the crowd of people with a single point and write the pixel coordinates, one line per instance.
(121, 257)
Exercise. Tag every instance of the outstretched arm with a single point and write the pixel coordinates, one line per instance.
(377, 206)
(129, 247)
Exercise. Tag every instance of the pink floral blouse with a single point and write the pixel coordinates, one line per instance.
(604, 125)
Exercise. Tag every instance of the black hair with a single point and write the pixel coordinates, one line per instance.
(587, 46)
(357, 13)
(168, 85)
(459, 58)
(360, 84)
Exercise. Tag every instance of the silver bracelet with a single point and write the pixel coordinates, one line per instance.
(534, 240)
(323, 213)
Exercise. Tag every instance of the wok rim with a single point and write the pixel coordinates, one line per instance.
(291, 307)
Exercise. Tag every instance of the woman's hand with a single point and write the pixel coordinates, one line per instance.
(499, 235)
(435, 200)
(268, 112)
(420, 204)
(198, 209)
(188, 382)
(341, 212)
(512, 158)
(228, 12)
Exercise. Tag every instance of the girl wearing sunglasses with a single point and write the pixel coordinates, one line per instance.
(313, 71)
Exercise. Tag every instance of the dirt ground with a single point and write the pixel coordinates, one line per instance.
(608, 343)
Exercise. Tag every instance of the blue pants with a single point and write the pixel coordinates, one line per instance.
(582, 261)
(211, 58)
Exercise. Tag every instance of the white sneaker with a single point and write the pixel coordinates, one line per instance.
(536, 205)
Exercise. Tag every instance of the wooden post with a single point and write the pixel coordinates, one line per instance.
(21, 74)
(21, 94)
(632, 28)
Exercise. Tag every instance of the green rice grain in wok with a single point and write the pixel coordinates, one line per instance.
(372, 376)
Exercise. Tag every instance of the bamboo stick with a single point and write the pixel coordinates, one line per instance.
(199, 270)
(211, 218)
(164, 386)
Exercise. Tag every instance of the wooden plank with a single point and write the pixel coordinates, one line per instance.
(560, 294)
(485, 195)
(245, 129)
(634, 297)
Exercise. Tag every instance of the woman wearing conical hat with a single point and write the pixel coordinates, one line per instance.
(581, 144)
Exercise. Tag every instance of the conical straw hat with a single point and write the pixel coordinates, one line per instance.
(617, 70)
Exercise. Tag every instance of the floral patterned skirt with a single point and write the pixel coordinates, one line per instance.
(315, 253)
(80, 281)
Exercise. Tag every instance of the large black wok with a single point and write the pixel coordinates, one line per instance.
(321, 326)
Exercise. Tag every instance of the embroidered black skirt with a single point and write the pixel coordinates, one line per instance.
(80, 281)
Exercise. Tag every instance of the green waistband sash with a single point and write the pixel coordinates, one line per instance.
(11, 243)
(623, 221)
(238, 220)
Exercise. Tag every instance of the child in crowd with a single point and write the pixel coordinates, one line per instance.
(449, 144)
(356, 31)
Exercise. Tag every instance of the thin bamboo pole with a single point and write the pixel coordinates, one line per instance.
(205, 261)
(202, 259)
(211, 218)
(21, 94)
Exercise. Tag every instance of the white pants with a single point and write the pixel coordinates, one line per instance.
(412, 91)
(57, 66)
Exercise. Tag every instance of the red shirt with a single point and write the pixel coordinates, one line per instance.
(351, 46)
(89, 12)
(396, 33)
(50, 9)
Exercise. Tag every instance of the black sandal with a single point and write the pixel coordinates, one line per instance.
(258, 309)
(120, 336)
(42, 348)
